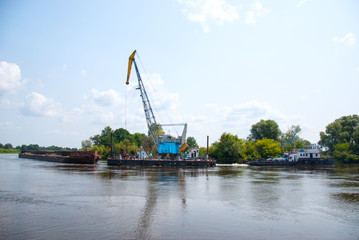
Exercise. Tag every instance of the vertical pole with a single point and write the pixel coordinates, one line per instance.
(207, 147)
(111, 146)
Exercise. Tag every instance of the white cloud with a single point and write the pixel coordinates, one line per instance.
(238, 119)
(6, 124)
(62, 132)
(251, 112)
(10, 77)
(105, 98)
(161, 98)
(349, 39)
(301, 3)
(96, 114)
(207, 11)
(40, 106)
(9, 104)
(257, 11)
(102, 107)
(83, 73)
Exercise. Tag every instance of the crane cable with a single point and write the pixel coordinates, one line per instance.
(163, 109)
(125, 108)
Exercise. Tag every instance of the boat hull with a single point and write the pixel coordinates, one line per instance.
(161, 162)
(300, 162)
(76, 157)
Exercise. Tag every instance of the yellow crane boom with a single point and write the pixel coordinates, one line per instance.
(132, 57)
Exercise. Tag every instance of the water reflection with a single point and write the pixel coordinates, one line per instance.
(176, 203)
(347, 197)
(147, 217)
(228, 172)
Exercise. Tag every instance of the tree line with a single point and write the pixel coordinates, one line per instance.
(8, 148)
(265, 140)
(124, 142)
(340, 140)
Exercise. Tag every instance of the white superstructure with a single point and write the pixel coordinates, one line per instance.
(311, 152)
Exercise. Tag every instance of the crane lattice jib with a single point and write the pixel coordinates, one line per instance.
(150, 117)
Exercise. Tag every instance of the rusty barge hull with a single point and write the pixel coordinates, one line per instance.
(162, 162)
(75, 157)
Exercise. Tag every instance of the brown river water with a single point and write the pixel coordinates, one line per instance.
(43, 200)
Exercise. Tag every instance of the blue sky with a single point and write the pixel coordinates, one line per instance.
(219, 65)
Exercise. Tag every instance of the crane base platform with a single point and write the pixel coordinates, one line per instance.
(162, 162)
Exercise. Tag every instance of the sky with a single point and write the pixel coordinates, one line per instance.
(218, 65)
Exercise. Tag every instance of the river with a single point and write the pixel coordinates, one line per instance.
(43, 200)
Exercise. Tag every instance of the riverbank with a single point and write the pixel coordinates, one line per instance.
(9, 151)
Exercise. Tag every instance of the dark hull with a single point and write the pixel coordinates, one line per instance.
(160, 162)
(300, 162)
(61, 156)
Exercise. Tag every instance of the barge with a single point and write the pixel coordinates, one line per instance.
(304, 157)
(162, 162)
(77, 157)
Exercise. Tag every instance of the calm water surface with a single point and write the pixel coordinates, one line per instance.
(42, 200)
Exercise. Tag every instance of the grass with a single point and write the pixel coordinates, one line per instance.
(9, 150)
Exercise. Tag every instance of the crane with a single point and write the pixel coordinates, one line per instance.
(165, 144)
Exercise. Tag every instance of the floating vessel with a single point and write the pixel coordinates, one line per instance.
(77, 157)
(170, 149)
(309, 156)
(189, 159)
(162, 162)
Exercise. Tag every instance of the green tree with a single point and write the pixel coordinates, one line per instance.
(86, 144)
(128, 146)
(342, 130)
(102, 150)
(104, 138)
(265, 129)
(355, 144)
(203, 151)
(229, 149)
(156, 129)
(33, 147)
(250, 151)
(121, 134)
(291, 136)
(344, 154)
(192, 143)
(148, 145)
(8, 146)
(269, 148)
(137, 139)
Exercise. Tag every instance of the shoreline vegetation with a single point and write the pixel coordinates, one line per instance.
(9, 151)
(340, 141)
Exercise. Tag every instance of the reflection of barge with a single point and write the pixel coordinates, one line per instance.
(78, 157)
(304, 157)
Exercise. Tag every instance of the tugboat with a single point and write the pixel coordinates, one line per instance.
(309, 156)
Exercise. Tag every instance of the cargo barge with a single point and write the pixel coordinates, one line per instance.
(76, 157)
(169, 148)
(162, 162)
(304, 157)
